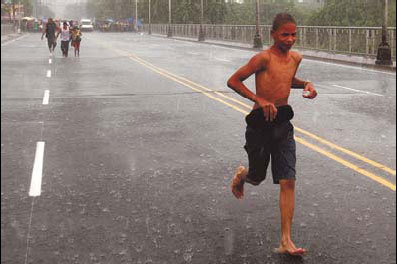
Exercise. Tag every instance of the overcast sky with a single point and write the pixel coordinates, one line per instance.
(58, 6)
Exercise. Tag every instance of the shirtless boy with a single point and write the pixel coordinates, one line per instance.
(269, 130)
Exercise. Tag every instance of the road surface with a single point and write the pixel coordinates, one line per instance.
(126, 154)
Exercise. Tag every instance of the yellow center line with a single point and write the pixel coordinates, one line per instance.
(208, 92)
(351, 153)
(348, 164)
(190, 86)
(193, 83)
(323, 141)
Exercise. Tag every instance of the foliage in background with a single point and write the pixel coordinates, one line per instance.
(27, 7)
(353, 13)
(334, 12)
(7, 8)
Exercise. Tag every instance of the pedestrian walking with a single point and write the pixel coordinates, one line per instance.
(269, 133)
(51, 31)
(76, 39)
(65, 39)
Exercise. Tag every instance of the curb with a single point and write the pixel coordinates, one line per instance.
(11, 37)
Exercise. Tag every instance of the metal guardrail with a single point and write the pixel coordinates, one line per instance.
(8, 29)
(363, 41)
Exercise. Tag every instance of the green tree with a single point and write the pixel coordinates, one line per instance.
(27, 7)
(353, 13)
(11, 7)
(334, 12)
(183, 11)
(245, 13)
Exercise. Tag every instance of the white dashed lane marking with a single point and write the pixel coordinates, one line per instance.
(46, 97)
(223, 60)
(37, 173)
(355, 90)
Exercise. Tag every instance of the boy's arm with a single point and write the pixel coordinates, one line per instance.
(256, 64)
(44, 30)
(296, 82)
(58, 31)
(235, 82)
(307, 86)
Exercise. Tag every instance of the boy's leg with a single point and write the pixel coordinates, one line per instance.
(258, 159)
(49, 42)
(287, 206)
(65, 49)
(284, 173)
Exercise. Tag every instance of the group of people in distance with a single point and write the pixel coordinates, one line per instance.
(69, 34)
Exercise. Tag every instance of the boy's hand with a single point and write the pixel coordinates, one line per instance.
(269, 109)
(309, 91)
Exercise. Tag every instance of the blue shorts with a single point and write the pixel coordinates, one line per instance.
(273, 141)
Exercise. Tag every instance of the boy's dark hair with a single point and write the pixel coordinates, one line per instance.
(281, 19)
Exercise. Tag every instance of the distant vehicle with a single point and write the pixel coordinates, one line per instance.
(86, 25)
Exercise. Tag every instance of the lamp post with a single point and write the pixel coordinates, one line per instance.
(169, 33)
(136, 15)
(258, 38)
(384, 51)
(201, 33)
(19, 16)
(150, 20)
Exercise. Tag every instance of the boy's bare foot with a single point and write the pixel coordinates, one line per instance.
(291, 249)
(238, 182)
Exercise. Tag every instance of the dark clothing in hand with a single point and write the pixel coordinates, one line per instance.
(275, 140)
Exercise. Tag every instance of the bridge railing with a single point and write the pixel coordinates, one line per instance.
(363, 41)
(7, 29)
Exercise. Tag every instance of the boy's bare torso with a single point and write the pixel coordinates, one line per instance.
(273, 82)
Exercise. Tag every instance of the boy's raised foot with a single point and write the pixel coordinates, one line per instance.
(238, 182)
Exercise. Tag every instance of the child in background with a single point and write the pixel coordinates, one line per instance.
(65, 38)
(76, 39)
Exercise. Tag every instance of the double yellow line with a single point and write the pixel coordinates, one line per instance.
(237, 106)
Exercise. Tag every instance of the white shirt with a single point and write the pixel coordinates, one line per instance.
(65, 34)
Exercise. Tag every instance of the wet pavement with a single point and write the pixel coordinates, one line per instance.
(142, 138)
(9, 37)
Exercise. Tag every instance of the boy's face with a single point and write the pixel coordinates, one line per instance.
(285, 36)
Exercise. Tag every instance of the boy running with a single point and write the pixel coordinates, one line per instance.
(50, 31)
(269, 131)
